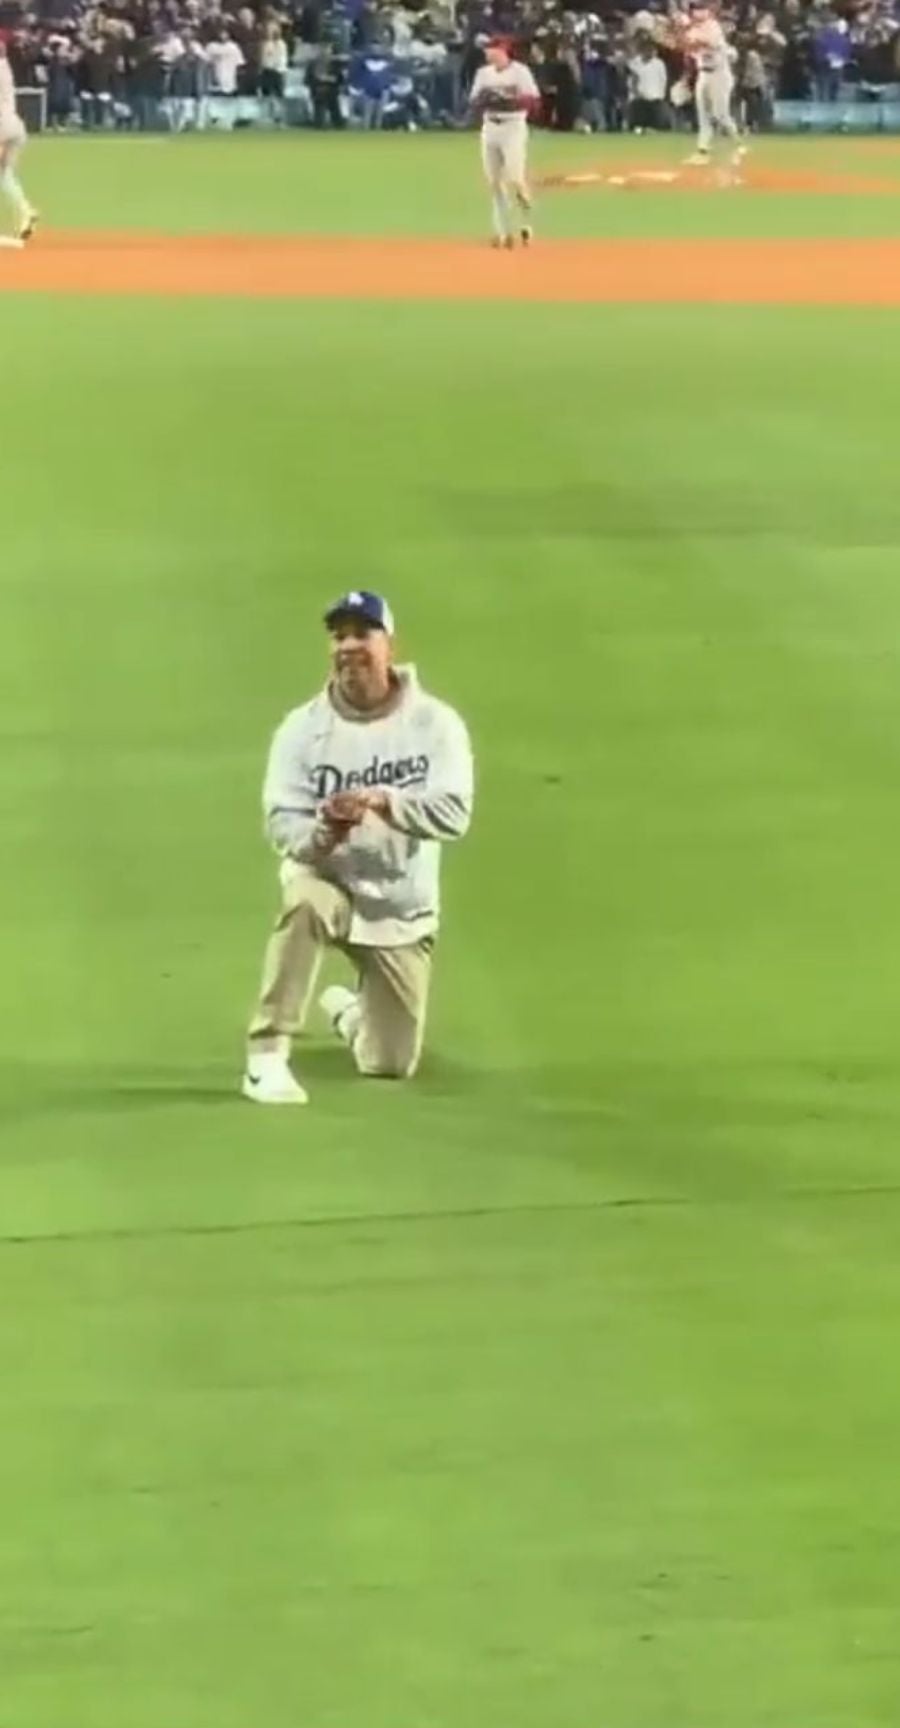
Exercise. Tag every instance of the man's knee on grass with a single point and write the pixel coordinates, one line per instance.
(381, 1054)
(387, 1067)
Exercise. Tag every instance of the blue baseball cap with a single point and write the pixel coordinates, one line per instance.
(369, 608)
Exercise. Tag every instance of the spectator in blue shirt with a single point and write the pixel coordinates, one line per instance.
(831, 52)
(370, 80)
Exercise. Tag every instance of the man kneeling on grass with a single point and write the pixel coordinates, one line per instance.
(363, 784)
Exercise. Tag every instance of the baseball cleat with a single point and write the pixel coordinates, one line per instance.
(526, 234)
(29, 226)
(268, 1080)
(341, 1006)
(700, 159)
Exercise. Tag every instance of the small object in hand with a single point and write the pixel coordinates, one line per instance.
(346, 809)
(379, 803)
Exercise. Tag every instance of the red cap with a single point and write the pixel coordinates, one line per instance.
(505, 43)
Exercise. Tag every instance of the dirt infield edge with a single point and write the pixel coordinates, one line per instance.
(662, 272)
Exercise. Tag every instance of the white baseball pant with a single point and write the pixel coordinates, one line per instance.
(504, 151)
(714, 93)
(12, 140)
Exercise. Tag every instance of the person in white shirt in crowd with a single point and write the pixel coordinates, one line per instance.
(273, 65)
(364, 785)
(226, 58)
(768, 33)
(426, 50)
(12, 143)
(432, 93)
(442, 14)
(648, 81)
(188, 85)
(402, 30)
(502, 96)
(170, 49)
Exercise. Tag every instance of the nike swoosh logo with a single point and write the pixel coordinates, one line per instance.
(253, 1079)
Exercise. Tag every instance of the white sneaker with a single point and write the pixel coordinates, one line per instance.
(343, 1010)
(700, 159)
(268, 1080)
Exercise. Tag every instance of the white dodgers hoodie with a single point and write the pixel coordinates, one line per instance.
(421, 754)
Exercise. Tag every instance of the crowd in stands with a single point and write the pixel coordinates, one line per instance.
(332, 63)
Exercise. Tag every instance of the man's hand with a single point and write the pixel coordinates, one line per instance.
(330, 833)
(379, 802)
(347, 809)
(338, 817)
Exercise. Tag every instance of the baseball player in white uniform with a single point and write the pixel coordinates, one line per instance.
(12, 142)
(503, 95)
(364, 784)
(706, 45)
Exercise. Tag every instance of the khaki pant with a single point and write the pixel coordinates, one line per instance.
(393, 982)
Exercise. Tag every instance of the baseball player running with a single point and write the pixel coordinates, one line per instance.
(706, 45)
(364, 784)
(12, 142)
(503, 95)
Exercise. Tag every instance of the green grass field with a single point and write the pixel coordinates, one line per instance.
(429, 185)
(558, 1390)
